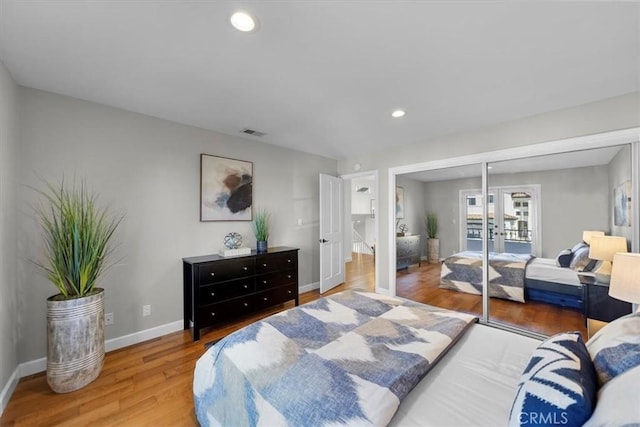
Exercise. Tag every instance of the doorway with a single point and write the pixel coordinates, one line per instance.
(361, 228)
(513, 219)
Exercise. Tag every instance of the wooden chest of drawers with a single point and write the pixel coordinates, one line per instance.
(220, 289)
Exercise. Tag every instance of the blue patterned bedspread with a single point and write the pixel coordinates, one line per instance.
(463, 272)
(347, 359)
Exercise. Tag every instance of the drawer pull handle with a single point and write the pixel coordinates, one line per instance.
(265, 298)
(245, 268)
(246, 286)
(288, 276)
(213, 294)
(212, 314)
(264, 265)
(289, 291)
(246, 304)
(213, 274)
(288, 260)
(264, 281)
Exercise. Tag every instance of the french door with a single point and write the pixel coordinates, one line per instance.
(513, 219)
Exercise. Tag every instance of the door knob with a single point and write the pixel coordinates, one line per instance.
(323, 240)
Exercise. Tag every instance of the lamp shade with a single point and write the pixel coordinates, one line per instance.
(625, 277)
(603, 248)
(587, 235)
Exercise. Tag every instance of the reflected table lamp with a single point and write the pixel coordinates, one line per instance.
(587, 235)
(625, 278)
(603, 248)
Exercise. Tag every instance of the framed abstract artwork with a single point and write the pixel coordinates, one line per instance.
(226, 189)
(399, 202)
(622, 205)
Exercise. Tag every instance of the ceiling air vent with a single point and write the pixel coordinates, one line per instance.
(253, 132)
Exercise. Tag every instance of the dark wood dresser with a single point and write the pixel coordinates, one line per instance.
(218, 289)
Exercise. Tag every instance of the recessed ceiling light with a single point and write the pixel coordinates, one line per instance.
(398, 113)
(243, 21)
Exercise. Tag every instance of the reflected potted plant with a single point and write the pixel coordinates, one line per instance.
(260, 227)
(77, 238)
(433, 243)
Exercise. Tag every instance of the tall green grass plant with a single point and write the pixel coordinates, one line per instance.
(77, 236)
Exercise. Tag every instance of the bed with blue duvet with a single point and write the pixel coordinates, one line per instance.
(347, 359)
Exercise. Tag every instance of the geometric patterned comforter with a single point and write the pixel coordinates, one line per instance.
(463, 272)
(347, 359)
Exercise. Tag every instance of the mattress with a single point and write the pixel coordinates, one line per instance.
(473, 384)
(546, 270)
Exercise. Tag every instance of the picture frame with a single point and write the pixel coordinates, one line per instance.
(399, 203)
(226, 189)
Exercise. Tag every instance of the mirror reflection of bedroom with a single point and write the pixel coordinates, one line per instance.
(540, 215)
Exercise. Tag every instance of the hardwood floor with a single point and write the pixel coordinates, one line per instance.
(421, 284)
(150, 384)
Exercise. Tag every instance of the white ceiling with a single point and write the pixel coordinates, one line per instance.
(323, 76)
(574, 159)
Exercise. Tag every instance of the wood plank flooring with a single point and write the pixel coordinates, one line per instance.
(150, 384)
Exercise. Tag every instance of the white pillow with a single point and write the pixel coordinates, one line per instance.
(618, 402)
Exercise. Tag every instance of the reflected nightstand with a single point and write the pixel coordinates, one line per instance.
(598, 305)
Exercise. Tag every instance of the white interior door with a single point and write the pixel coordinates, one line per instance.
(331, 232)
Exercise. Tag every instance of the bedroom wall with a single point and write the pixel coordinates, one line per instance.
(619, 173)
(620, 112)
(8, 239)
(149, 169)
(572, 200)
(414, 208)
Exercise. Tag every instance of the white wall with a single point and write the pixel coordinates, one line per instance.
(606, 115)
(149, 170)
(8, 239)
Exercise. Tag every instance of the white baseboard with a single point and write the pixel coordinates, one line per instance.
(40, 365)
(8, 389)
(309, 287)
(141, 336)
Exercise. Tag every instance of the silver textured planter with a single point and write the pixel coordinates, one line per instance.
(75, 341)
(433, 250)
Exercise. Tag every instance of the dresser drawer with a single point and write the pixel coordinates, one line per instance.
(276, 262)
(275, 296)
(273, 280)
(230, 309)
(218, 292)
(221, 271)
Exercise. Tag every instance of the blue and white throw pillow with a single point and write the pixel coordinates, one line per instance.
(564, 258)
(580, 258)
(618, 402)
(558, 386)
(615, 348)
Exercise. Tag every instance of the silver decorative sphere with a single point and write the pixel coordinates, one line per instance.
(233, 240)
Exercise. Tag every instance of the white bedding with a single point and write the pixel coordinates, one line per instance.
(546, 270)
(473, 384)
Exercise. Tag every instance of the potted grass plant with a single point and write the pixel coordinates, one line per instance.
(261, 229)
(433, 243)
(77, 236)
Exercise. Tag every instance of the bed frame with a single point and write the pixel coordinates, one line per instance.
(553, 293)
